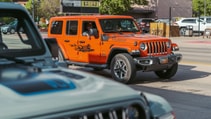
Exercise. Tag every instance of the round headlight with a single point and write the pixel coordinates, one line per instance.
(168, 44)
(143, 46)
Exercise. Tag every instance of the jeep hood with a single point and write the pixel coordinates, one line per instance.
(26, 93)
(135, 37)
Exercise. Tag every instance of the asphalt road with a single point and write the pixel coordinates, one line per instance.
(189, 90)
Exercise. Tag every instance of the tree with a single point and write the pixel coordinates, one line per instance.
(32, 6)
(198, 7)
(118, 6)
(49, 8)
(43, 8)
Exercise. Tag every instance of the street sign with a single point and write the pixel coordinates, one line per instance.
(80, 6)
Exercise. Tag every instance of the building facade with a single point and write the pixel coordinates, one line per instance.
(155, 8)
(163, 9)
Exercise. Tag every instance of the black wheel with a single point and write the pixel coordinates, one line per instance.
(167, 73)
(182, 31)
(3, 46)
(4, 32)
(123, 68)
(12, 31)
(60, 55)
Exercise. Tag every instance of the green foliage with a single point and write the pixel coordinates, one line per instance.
(198, 6)
(118, 6)
(43, 8)
(28, 6)
(49, 8)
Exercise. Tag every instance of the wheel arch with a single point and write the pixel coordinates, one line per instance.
(113, 52)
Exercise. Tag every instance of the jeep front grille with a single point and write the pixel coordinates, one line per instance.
(123, 110)
(156, 48)
(112, 114)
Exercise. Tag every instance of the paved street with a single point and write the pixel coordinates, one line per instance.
(189, 90)
(195, 41)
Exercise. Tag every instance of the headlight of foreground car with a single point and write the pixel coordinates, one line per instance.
(168, 116)
(133, 112)
(159, 107)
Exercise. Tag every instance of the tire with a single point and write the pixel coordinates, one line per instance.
(123, 68)
(167, 73)
(12, 31)
(60, 55)
(4, 32)
(3, 47)
(182, 31)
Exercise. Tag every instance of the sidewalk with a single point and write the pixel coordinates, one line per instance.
(195, 41)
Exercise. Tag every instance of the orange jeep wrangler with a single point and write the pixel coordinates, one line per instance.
(113, 42)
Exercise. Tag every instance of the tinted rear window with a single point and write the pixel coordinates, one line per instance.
(56, 27)
(189, 21)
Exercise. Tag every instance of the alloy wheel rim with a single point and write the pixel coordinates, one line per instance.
(120, 69)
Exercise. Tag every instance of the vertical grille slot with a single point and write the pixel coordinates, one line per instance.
(118, 111)
(156, 47)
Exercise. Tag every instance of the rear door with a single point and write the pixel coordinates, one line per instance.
(71, 38)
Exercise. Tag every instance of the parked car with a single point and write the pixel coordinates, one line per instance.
(9, 28)
(144, 24)
(197, 25)
(162, 21)
(206, 19)
(35, 85)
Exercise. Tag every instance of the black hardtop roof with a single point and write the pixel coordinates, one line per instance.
(92, 16)
(11, 6)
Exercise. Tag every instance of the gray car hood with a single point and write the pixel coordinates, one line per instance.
(55, 90)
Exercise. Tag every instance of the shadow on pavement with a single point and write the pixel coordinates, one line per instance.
(185, 72)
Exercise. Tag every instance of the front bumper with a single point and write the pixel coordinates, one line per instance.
(4, 30)
(156, 63)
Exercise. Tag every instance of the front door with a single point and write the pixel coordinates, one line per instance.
(89, 46)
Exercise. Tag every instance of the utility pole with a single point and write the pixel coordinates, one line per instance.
(205, 7)
(33, 9)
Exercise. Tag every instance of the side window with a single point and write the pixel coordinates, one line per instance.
(208, 20)
(72, 27)
(56, 27)
(20, 38)
(189, 21)
(87, 25)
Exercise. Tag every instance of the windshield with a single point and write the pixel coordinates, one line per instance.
(13, 22)
(118, 25)
(20, 40)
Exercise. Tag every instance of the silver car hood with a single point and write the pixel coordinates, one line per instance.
(55, 90)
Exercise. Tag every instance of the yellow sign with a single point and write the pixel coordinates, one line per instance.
(90, 3)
